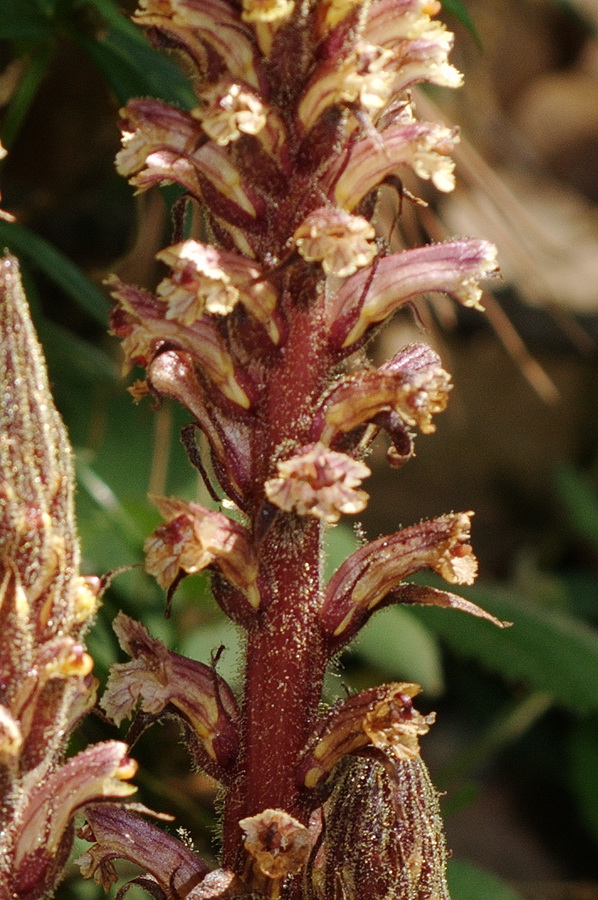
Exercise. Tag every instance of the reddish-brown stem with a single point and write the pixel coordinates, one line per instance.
(285, 666)
(286, 651)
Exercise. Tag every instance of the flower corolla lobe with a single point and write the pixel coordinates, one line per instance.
(318, 482)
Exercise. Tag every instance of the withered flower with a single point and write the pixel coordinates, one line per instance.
(278, 843)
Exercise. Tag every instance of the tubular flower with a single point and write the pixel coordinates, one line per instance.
(370, 574)
(302, 113)
(156, 143)
(198, 283)
(413, 386)
(120, 834)
(423, 147)
(205, 279)
(141, 320)
(160, 680)
(364, 78)
(318, 482)
(194, 538)
(382, 717)
(454, 267)
(45, 607)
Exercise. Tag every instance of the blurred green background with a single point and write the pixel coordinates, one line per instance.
(515, 746)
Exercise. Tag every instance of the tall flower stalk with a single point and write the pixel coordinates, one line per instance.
(303, 112)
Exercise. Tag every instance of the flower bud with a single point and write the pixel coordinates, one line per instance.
(45, 606)
(382, 834)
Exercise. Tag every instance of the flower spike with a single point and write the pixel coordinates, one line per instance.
(45, 608)
(303, 112)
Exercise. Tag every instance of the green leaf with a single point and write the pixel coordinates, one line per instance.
(23, 20)
(201, 642)
(25, 92)
(459, 10)
(469, 882)
(130, 64)
(339, 543)
(59, 269)
(114, 511)
(549, 650)
(401, 648)
(580, 499)
(584, 771)
(76, 359)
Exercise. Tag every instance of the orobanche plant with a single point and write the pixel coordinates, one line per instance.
(303, 112)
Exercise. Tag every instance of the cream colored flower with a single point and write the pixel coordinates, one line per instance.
(197, 283)
(394, 725)
(150, 128)
(138, 344)
(458, 564)
(340, 241)
(367, 77)
(470, 293)
(230, 111)
(423, 396)
(430, 159)
(319, 482)
(266, 10)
